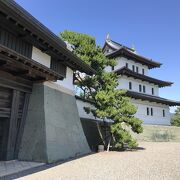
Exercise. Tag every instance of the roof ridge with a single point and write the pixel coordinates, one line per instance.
(123, 45)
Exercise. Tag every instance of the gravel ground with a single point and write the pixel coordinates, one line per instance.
(157, 161)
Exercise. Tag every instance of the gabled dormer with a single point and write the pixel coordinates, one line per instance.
(109, 47)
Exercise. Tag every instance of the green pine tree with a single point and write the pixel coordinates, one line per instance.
(175, 121)
(110, 102)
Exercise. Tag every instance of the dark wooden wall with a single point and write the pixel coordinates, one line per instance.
(13, 109)
(15, 43)
(5, 102)
(4, 123)
(15, 92)
(57, 66)
(19, 45)
(5, 113)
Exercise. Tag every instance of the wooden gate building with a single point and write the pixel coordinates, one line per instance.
(32, 57)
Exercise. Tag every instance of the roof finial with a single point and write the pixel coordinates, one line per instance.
(133, 48)
(108, 37)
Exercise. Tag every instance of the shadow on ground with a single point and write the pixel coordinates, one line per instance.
(47, 166)
(39, 168)
(128, 149)
(139, 148)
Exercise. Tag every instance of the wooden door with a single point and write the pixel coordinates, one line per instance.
(5, 113)
(13, 108)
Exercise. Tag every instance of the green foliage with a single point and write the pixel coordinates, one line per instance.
(109, 102)
(87, 50)
(175, 121)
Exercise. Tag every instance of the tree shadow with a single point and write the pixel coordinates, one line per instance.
(139, 148)
(128, 149)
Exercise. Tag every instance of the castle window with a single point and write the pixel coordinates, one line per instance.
(57, 66)
(151, 111)
(152, 91)
(133, 68)
(140, 88)
(163, 113)
(137, 69)
(143, 71)
(144, 89)
(107, 50)
(147, 111)
(130, 85)
(126, 65)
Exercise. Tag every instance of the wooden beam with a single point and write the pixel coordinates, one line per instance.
(22, 73)
(22, 35)
(2, 63)
(24, 62)
(13, 82)
(32, 73)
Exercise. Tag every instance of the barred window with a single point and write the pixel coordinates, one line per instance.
(130, 85)
(147, 111)
(163, 113)
(140, 88)
(151, 111)
(144, 88)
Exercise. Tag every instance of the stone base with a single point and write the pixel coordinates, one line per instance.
(53, 129)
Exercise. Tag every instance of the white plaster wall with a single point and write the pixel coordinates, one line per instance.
(81, 104)
(41, 57)
(121, 62)
(108, 68)
(108, 50)
(65, 85)
(157, 117)
(141, 113)
(124, 84)
(68, 81)
(82, 114)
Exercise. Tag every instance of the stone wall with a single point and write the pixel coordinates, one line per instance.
(53, 130)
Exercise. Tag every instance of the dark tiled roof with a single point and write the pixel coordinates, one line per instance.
(115, 45)
(130, 73)
(151, 98)
(32, 27)
(121, 50)
(141, 96)
(133, 56)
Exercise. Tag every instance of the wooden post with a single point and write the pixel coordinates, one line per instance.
(13, 125)
(22, 123)
(109, 143)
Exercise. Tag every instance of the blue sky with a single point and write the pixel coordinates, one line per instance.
(152, 26)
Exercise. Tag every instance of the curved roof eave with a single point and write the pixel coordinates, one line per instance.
(11, 8)
(123, 51)
(130, 73)
(151, 98)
